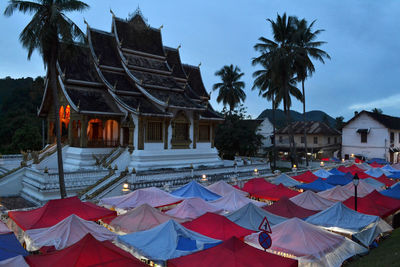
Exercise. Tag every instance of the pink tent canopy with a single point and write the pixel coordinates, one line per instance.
(336, 194)
(141, 218)
(235, 200)
(312, 201)
(222, 188)
(65, 233)
(363, 188)
(153, 196)
(309, 244)
(193, 208)
(4, 229)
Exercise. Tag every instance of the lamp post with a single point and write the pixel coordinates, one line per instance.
(356, 180)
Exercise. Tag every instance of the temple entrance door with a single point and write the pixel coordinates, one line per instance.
(125, 136)
(391, 154)
(95, 128)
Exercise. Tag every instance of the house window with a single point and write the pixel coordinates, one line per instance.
(280, 139)
(363, 137)
(315, 139)
(204, 133)
(154, 131)
(329, 140)
(391, 137)
(302, 139)
(181, 132)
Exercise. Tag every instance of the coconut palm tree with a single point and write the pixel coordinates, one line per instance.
(231, 88)
(277, 80)
(377, 110)
(45, 32)
(306, 49)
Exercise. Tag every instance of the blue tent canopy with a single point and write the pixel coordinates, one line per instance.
(193, 189)
(392, 192)
(335, 171)
(378, 160)
(10, 247)
(343, 219)
(374, 182)
(396, 186)
(285, 180)
(316, 186)
(250, 217)
(394, 175)
(166, 241)
(339, 179)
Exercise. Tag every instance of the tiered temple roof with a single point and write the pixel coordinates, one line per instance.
(129, 69)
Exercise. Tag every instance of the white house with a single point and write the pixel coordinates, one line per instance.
(372, 135)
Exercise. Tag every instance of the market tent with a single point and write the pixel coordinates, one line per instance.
(286, 208)
(153, 196)
(65, 233)
(389, 168)
(311, 245)
(376, 164)
(87, 252)
(385, 180)
(392, 192)
(166, 241)
(17, 261)
(364, 166)
(194, 189)
(57, 210)
(217, 227)
(232, 252)
(4, 229)
(322, 173)
(396, 166)
(367, 206)
(285, 180)
(336, 194)
(222, 188)
(234, 201)
(339, 179)
(255, 185)
(363, 188)
(138, 219)
(192, 208)
(275, 193)
(312, 201)
(306, 177)
(341, 219)
(10, 247)
(377, 161)
(375, 183)
(336, 172)
(376, 172)
(316, 186)
(390, 203)
(396, 186)
(394, 175)
(251, 216)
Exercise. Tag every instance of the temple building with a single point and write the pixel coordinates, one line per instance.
(124, 88)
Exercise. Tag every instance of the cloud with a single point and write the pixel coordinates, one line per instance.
(391, 101)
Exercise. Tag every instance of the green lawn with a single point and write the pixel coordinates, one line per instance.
(385, 255)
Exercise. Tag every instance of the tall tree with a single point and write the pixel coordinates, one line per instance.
(277, 79)
(48, 27)
(377, 110)
(306, 49)
(231, 88)
(339, 121)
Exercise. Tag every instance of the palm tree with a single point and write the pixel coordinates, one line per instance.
(231, 88)
(48, 26)
(306, 49)
(277, 80)
(377, 110)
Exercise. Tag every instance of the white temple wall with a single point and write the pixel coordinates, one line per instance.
(135, 131)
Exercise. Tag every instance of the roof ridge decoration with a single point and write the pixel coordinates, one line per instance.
(138, 13)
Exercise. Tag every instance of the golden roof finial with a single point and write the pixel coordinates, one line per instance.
(179, 46)
(112, 13)
(162, 26)
(199, 65)
(87, 24)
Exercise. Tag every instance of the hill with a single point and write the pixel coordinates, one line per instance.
(314, 115)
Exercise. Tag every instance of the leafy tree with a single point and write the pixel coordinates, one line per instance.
(377, 110)
(48, 26)
(237, 135)
(306, 49)
(339, 121)
(231, 88)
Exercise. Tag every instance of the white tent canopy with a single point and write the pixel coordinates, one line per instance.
(234, 201)
(285, 180)
(65, 233)
(312, 201)
(192, 208)
(336, 194)
(222, 188)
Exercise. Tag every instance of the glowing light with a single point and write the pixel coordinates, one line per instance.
(294, 166)
(322, 163)
(342, 160)
(204, 178)
(352, 155)
(125, 187)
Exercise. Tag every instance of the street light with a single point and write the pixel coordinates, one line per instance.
(322, 164)
(125, 187)
(356, 180)
(204, 178)
(256, 172)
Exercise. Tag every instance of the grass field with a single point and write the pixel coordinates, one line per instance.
(387, 254)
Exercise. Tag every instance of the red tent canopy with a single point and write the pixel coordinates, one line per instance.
(392, 204)
(232, 252)
(57, 210)
(286, 208)
(367, 206)
(307, 177)
(353, 169)
(376, 165)
(87, 252)
(383, 179)
(276, 193)
(256, 184)
(362, 175)
(217, 226)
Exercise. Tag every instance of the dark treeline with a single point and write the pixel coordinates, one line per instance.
(20, 127)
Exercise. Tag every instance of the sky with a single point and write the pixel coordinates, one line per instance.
(363, 40)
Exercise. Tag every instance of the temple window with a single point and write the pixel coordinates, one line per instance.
(204, 133)
(111, 132)
(95, 130)
(154, 131)
(181, 131)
